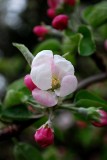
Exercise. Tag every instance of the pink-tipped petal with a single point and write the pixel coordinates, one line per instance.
(45, 98)
(68, 85)
(42, 76)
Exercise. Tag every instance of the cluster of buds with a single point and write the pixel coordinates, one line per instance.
(60, 20)
(56, 4)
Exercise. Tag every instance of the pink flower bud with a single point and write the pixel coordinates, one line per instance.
(51, 12)
(40, 31)
(70, 2)
(44, 136)
(28, 82)
(53, 3)
(102, 120)
(60, 22)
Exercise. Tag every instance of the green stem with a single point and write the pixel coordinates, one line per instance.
(68, 106)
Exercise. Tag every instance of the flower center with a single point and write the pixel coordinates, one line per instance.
(55, 83)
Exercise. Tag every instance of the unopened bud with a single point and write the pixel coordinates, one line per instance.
(102, 121)
(60, 22)
(40, 31)
(28, 82)
(44, 136)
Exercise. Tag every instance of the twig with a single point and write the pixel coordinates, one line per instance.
(93, 79)
(13, 130)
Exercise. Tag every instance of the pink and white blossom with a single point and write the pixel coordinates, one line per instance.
(54, 77)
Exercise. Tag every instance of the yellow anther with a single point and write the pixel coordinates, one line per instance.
(55, 83)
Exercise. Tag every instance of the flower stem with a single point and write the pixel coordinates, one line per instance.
(68, 106)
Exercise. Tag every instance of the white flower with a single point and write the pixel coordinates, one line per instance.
(54, 77)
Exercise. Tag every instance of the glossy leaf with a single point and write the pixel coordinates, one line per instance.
(50, 44)
(24, 151)
(17, 85)
(20, 113)
(96, 15)
(86, 45)
(70, 44)
(14, 98)
(87, 99)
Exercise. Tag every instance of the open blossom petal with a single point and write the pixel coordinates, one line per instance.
(45, 56)
(46, 98)
(42, 76)
(62, 67)
(68, 85)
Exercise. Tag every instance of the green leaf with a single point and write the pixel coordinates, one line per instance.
(51, 154)
(84, 94)
(20, 113)
(0, 108)
(26, 53)
(85, 136)
(96, 15)
(70, 44)
(86, 45)
(24, 151)
(50, 44)
(14, 98)
(17, 85)
(86, 99)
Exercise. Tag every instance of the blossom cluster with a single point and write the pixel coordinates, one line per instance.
(59, 20)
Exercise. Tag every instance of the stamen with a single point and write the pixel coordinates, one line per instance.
(55, 83)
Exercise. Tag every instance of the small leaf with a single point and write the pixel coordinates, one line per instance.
(70, 44)
(14, 98)
(86, 45)
(26, 53)
(87, 99)
(17, 85)
(20, 113)
(51, 154)
(84, 94)
(24, 151)
(50, 44)
(85, 136)
(96, 15)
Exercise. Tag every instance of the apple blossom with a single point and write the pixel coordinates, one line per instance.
(54, 77)
(102, 120)
(60, 22)
(44, 136)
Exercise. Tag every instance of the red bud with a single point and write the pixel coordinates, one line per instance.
(44, 136)
(60, 22)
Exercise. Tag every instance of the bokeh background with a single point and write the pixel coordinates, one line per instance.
(73, 140)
